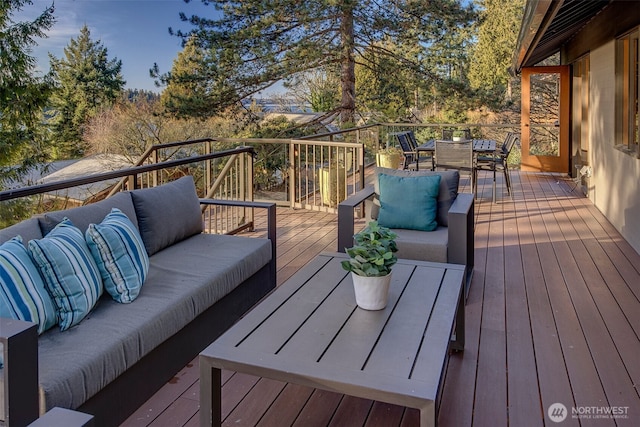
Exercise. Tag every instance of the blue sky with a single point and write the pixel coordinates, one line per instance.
(134, 31)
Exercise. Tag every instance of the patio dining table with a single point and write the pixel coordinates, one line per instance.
(480, 146)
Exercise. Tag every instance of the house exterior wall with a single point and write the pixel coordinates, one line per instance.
(614, 187)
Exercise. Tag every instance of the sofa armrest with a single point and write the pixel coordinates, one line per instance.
(20, 357)
(271, 221)
(346, 216)
(461, 234)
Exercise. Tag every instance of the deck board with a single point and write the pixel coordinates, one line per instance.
(553, 316)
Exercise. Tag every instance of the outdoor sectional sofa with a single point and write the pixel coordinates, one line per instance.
(120, 354)
(452, 240)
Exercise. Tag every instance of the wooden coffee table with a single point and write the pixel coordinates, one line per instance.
(309, 331)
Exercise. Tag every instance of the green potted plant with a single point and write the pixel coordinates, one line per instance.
(370, 261)
(458, 135)
(389, 157)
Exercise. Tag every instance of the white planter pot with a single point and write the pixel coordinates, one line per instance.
(372, 293)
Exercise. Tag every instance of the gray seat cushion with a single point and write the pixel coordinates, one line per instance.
(423, 245)
(184, 280)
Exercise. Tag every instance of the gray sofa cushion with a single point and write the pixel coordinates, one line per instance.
(449, 182)
(183, 281)
(94, 213)
(167, 213)
(28, 229)
(423, 245)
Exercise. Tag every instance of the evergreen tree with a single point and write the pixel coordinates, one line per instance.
(86, 82)
(256, 43)
(23, 94)
(383, 87)
(497, 37)
(189, 83)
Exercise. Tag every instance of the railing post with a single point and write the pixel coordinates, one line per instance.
(292, 174)
(361, 169)
(207, 166)
(156, 177)
(132, 182)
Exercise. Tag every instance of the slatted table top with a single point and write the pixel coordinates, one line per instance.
(310, 331)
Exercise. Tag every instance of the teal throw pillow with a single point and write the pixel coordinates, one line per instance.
(23, 295)
(69, 271)
(408, 202)
(120, 254)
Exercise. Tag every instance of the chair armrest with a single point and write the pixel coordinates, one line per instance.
(346, 216)
(271, 221)
(20, 357)
(461, 234)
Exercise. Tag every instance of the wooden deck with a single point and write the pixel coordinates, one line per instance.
(553, 316)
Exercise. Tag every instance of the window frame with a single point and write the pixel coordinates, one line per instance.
(627, 137)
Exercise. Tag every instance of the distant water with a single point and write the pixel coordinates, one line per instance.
(272, 106)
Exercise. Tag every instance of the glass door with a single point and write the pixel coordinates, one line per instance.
(545, 119)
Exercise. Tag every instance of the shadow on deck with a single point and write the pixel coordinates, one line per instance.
(553, 316)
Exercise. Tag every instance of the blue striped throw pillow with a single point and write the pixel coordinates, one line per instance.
(22, 292)
(69, 271)
(120, 254)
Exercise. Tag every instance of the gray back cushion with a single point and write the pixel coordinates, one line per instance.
(94, 213)
(168, 213)
(449, 182)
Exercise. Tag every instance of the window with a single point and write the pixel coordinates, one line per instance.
(627, 82)
(580, 113)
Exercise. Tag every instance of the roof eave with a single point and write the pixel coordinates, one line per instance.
(538, 14)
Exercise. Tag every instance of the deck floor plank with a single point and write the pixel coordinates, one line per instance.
(384, 414)
(287, 406)
(252, 407)
(522, 381)
(553, 316)
(490, 409)
(553, 381)
(583, 375)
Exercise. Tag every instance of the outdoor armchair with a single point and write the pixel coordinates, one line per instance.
(452, 239)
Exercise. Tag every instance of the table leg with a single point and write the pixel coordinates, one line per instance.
(458, 343)
(428, 415)
(493, 196)
(210, 395)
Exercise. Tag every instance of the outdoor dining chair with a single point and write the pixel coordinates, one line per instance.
(456, 155)
(410, 155)
(427, 160)
(499, 159)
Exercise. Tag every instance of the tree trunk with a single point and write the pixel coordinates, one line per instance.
(508, 93)
(348, 73)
